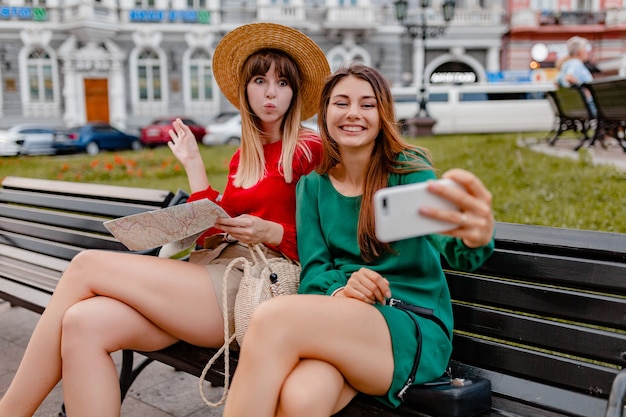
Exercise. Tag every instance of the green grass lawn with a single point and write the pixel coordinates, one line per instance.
(528, 187)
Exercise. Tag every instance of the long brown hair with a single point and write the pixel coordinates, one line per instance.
(252, 166)
(388, 146)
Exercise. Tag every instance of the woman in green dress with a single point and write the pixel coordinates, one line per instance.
(310, 354)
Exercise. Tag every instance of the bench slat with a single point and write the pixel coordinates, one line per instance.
(548, 269)
(153, 197)
(57, 234)
(78, 204)
(547, 301)
(54, 218)
(23, 296)
(56, 249)
(576, 243)
(33, 258)
(40, 278)
(571, 339)
(569, 373)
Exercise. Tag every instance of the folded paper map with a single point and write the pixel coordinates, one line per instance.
(156, 228)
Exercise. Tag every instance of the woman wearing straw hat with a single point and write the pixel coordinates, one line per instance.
(108, 301)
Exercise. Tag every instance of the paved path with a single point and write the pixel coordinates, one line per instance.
(613, 154)
(159, 391)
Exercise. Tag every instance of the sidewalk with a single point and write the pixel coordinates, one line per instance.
(159, 391)
(613, 154)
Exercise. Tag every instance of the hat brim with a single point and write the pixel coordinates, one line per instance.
(237, 45)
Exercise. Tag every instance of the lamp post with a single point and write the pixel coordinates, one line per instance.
(423, 31)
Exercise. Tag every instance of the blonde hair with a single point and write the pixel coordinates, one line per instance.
(391, 153)
(575, 44)
(251, 168)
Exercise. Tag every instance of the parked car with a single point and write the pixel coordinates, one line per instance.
(27, 139)
(224, 129)
(311, 124)
(158, 132)
(93, 137)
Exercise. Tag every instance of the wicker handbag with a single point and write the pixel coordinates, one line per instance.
(262, 279)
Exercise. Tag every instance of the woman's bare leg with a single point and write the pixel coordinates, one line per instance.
(177, 297)
(350, 335)
(92, 330)
(314, 389)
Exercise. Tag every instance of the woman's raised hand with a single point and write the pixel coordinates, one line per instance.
(475, 219)
(183, 143)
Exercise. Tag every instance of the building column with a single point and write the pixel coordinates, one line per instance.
(117, 89)
(72, 111)
(493, 59)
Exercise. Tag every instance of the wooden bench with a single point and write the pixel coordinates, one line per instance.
(44, 224)
(609, 95)
(572, 112)
(544, 319)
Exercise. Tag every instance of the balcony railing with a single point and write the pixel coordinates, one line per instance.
(350, 17)
(281, 13)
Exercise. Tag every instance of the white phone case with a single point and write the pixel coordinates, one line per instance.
(397, 214)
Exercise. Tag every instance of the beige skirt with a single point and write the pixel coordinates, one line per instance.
(218, 254)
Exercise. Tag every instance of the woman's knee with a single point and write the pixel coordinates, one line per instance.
(78, 327)
(297, 399)
(97, 324)
(314, 388)
(80, 265)
(274, 317)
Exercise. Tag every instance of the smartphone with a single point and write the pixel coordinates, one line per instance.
(396, 211)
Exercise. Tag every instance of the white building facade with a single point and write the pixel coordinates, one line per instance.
(68, 62)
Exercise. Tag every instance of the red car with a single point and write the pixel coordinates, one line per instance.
(157, 133)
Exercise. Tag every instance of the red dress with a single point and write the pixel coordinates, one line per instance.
(271, 198)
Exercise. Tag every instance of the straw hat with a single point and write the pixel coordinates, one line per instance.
(237, 45)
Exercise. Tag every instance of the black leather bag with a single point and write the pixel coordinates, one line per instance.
(446, 396)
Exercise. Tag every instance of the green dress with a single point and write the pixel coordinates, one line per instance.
(326, 224)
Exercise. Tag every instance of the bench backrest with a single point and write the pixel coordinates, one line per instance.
(545, 318)
(570, 103)
(609, 96)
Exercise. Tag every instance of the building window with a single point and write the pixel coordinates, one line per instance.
(196, 4)
(149, 76)
(40, 76)
(200, 76)
(544, 5)
(144, 4)
(32, 3)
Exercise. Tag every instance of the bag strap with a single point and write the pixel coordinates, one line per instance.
(228, 339)
(418, 355)
(427, 314)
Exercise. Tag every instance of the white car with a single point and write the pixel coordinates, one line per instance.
(27, 139)
(225, 129)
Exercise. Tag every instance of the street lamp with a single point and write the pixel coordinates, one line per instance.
(424, 31)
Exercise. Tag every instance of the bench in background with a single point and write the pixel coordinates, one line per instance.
(544, 319)
(609, 95)
(571, 113)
